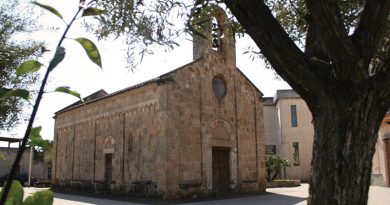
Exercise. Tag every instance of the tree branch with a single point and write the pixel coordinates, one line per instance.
(371, 27)
(315, 49)
(339, 46)
(285, 57)
(382, 79)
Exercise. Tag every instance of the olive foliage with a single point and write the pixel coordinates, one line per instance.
(13, 52)
(142, 24)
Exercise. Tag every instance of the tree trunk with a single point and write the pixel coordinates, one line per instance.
(344, 144)
(347, 101)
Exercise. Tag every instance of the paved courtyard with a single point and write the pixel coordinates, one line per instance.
(274, 196)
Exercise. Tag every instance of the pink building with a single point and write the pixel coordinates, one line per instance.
(289, 132)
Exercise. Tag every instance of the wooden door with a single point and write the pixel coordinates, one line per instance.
(108, 169)
(220, 164)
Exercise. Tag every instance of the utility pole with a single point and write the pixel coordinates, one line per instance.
(30, 166)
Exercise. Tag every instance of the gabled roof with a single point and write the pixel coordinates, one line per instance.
(180, 68)
(90, 98)
(177, 69)
(101, 94)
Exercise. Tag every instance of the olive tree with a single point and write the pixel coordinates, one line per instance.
(343, 75)
(335, 54)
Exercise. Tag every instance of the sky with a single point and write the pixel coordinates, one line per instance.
(83, 76)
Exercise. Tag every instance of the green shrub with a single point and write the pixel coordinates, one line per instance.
(15, 196)
(273, 166)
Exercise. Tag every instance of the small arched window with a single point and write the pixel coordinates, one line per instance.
(219, 87)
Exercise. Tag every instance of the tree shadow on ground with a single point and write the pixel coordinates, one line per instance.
(226, 199)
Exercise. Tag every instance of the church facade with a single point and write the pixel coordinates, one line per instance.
(194, 131)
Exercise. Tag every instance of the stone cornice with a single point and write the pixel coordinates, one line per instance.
(146, 106)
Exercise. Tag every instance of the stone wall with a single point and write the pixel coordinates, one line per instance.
(127, 126)
(161, 136)
(201, 121)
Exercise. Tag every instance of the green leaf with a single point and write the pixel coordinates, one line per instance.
(37, 142)
(49, 8)
(91, 49)
(6, 93)
(29, 201)
(28, 67)
(35, 136)
(93, 11)
(15, 194)
(44, 197)
(12, 201)
(66, 89)
(58, 57)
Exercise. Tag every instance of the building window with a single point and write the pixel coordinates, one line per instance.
(270, 149)
(294, 120)
(219, 87)
(295, 153)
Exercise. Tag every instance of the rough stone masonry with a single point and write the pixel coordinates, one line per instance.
(191, 132)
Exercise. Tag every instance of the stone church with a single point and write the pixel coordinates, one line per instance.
(194, 131)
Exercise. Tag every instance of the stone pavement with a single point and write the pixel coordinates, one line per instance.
(274, 196)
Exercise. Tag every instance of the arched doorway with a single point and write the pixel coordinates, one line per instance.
(220, 157)
(108, 152)
(107, 168)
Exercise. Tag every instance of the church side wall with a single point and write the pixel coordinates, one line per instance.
(144, 152)
(112, 145)
(64, 156)
(109, 141)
